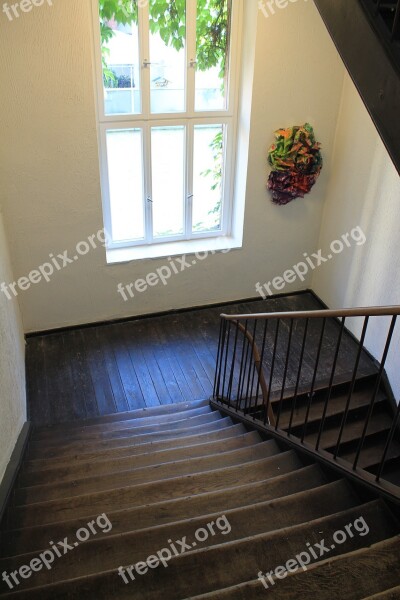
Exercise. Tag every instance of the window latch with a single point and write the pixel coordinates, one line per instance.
(149, 199)
(192, 63)
(146, 63)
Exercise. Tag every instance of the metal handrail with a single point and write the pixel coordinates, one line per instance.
(374, 311)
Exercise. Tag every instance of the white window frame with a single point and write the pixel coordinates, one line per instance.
(190, 118)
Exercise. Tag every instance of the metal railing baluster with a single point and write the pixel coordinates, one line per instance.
(285, 374)
(232, 368)
(217, 369)
(376, 389)
(248, 355)
(271, 375)
(249, 375)
(388, 442)
(352, 385)
(329, 394)
(321, 340)
(296, 389)
(221, 356)
(242, 363)
(226, 358)
(261, 364)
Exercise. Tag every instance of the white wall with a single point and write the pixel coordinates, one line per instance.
(12, 364)
(50, 175)
(364, 190)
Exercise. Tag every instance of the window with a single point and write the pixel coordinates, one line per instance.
(167, 105)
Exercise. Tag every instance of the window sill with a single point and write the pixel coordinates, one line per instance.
(155, 251)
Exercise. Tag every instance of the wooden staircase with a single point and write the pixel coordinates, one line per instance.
(377, 432)
(226, 504)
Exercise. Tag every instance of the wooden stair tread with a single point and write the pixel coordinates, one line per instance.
(87, 432)
(98, 431)
(151, 411)
(93, 445)
(103, 467)
(336, 406)
(178, 580)
(344, 575)
(245, 521)
(352, 431)
(135, 476)
(372, 452)
(36, 538)
(127, 497)
(133, 449)
(392, 594)
(321, 385)
(130, 430)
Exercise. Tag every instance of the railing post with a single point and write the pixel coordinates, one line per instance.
(285, 374)
(321, 340)
(242, 363)
(377, 385)
(225, 361)
(248, 389)
(269, 409)
(388, 442)
(232, 369)
(218, 366)
(328, 397)
(296, 390)
(352, 385)
(261, 364)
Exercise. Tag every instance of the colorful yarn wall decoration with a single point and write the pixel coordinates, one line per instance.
(296, 163)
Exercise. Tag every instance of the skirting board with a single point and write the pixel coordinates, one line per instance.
(13, 467)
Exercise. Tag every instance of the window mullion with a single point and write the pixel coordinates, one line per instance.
(144, 51)
(147, 199)
(189, 179)
(144, 55)
(191, 15)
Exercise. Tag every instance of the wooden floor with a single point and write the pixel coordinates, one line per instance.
(94, 371)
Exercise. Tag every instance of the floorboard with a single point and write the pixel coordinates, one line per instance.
(93, 371)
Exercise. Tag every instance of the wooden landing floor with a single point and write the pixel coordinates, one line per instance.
(87, 372)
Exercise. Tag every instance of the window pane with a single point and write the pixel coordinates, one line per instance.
(212, 38)
(168, 180)
(208, 168)
(120, 54)
(167, 56)
(125, 167)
